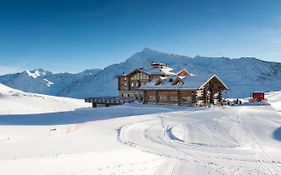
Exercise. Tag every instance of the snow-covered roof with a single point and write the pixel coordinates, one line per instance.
(178, 70)
(188, 82)
(166, 80)
(159, 71)
(163, 70)
(122, 75)
(258, 91)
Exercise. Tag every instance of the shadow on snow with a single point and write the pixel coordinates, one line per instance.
(277, 134)
(83, 115)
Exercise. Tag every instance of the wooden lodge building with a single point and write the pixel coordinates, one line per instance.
(163, 85)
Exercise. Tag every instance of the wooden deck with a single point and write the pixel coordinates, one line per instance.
(105, 101)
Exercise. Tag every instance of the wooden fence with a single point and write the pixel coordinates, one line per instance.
(105, 101)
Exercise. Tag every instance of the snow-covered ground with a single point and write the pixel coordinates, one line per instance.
(14, 101)
(235, 140)
(136, 139)
(275, 100)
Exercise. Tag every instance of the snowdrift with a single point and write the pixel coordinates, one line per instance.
(14, 101)
(274, 98)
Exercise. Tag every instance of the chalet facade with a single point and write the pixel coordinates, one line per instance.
(162, 85)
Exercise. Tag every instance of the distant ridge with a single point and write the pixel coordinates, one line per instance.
(242, 75)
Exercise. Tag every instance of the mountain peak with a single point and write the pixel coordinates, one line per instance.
(35, 73)
(90, 71)
(41, 71)
(146, 49)
(248, 58)
(149, 51)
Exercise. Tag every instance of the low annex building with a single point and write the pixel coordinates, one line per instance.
(163, 85)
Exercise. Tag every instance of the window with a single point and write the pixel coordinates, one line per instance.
(152, 97)
(125, 84)
(136, 97)
(122, 95)
(132, 84)
(187, 99)
(173, 98)
(125, 78)
(128, 95)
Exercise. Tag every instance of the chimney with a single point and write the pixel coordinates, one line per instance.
(158, 65)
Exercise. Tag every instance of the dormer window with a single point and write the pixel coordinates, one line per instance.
(177, 81)
(158, 82)
(171, 80)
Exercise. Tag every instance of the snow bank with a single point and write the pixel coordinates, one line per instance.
(18, 102)
(274, 98)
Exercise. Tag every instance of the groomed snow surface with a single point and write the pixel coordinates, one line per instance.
(57, 136)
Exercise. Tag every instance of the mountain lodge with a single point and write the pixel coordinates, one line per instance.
(161, 84)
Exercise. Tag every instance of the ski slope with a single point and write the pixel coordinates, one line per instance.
(67, 137)
(14, 101)
(275, 100)
(235, 140)
(79, 142)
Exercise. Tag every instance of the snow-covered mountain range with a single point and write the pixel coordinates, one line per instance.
(43, 81)
(241, 75)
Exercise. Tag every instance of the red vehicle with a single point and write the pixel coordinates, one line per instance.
(258, 96)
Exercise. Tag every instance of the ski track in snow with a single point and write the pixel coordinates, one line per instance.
(222, 141)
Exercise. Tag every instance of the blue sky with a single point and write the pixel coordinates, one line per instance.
(73, 35)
